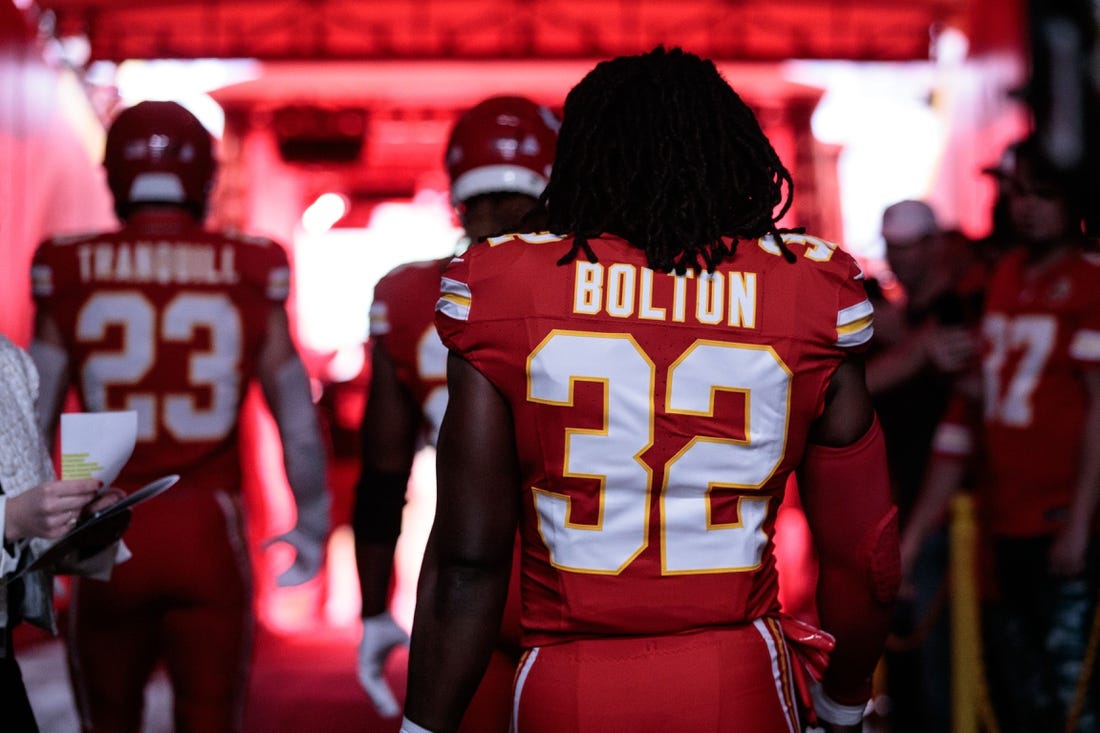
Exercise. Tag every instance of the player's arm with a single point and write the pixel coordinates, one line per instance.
(389, 431)
(946, 349)
(390, 425)
(896, 362)
(950, 459)
(1067, 555)
(286, 388)
(51, 360)
(942, 480)
(464, 578)
(846, 496)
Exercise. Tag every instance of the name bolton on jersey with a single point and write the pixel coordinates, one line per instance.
(623, 290)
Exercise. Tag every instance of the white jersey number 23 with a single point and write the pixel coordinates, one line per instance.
(144, 330)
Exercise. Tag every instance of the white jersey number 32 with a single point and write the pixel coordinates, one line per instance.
(691, 541)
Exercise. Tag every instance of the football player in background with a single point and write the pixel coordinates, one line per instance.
(173, 321)
(498, 159)
(632, 394)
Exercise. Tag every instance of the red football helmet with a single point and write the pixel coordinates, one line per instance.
(501, 145)
(158, 152)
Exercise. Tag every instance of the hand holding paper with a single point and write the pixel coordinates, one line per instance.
(95, 531)
(97, 444)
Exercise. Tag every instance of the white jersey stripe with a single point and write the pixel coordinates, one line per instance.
(855, 324)
(782, 681)
(1085, 345)
(379, 319)
(42, 280)
(450, 286)
(454, 300)
(525, 665)
(454, 309)
(953, 440)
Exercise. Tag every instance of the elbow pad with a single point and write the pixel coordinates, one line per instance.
(847, 498)
(379, 501)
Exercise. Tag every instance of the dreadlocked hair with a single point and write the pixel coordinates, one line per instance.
(659, 150)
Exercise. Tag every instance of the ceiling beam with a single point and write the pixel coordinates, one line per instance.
(865, 30)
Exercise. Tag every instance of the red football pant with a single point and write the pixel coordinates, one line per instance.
(184, 599)
(717, 681)
(491, 709)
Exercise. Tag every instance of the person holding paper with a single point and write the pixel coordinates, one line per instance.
(34, 510)
(173, 321)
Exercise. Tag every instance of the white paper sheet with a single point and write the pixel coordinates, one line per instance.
(97, 444)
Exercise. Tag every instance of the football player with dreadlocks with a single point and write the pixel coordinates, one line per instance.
(632, 391)
(173, 321)
(498, 159)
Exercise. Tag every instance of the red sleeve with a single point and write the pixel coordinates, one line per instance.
(846, 496)
(399, 302)
(50, 274)
(264, 266)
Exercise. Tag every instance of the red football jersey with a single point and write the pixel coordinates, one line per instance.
(165, 318)
(1039, 334)
(402, 325)
(657, 418)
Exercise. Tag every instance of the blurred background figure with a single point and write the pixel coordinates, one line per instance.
(498, 159)
(36, 509)
(1040, 481)
(925, 340)
(173, 321)
(1034, 435)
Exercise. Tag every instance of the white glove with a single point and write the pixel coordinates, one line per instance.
(306, 472)
(830, 711)
(380, 635)
(407, 726)
(309, 551)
